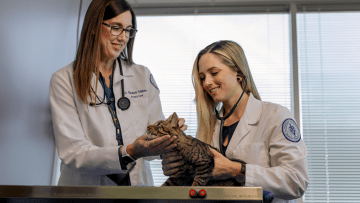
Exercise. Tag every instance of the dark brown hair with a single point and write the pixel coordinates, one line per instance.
(88, 53)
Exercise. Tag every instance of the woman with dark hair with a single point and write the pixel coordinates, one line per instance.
(102, 103)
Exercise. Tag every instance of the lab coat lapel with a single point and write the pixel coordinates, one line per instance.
(217, 131)
(250, 117)
(117, 80)
(126, 123)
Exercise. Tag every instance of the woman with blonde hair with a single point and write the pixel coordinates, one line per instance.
(262, 135)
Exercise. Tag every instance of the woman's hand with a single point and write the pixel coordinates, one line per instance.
(171, 162)
(224, 168)
(142, 147)
(182, 125)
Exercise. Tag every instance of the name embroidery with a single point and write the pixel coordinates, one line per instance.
(136, 94)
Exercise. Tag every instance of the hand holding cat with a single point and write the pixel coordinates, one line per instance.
(142, 147)
(181, 124)
(171, 162)
(224, 168)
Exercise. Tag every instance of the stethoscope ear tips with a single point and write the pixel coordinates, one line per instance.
(239, 75)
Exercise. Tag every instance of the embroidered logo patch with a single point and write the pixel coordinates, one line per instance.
(152, 81)
(291, 130)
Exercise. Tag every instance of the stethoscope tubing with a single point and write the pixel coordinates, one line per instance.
(123, 103)
(222, 119)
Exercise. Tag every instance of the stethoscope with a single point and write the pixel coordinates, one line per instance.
(222, 119)
(123, 103)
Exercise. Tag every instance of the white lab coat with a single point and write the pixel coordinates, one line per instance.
(273, 162)
(85, 136)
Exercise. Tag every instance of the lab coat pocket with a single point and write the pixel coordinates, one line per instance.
(253, 154)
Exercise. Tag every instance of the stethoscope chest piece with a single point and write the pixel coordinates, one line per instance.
(123, 103)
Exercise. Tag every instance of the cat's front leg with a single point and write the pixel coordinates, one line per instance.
(204, 164)
(174, 181)
(203, 173)
(201, 180)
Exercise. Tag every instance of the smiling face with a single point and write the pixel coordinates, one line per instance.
(218, 79)
(112, 46)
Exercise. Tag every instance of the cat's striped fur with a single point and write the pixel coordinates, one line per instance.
(197, 157)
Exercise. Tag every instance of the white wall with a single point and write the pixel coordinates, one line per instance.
(36, 39)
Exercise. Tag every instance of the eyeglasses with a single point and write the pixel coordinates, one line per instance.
(118, 30)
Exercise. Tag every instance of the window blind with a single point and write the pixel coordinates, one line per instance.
(168, 46)
(329, 63)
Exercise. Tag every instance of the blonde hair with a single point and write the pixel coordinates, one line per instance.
(233, 56)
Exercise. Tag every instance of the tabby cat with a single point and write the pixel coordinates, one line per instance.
(197, 157)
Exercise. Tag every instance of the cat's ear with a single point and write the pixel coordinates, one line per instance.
(173, 120)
